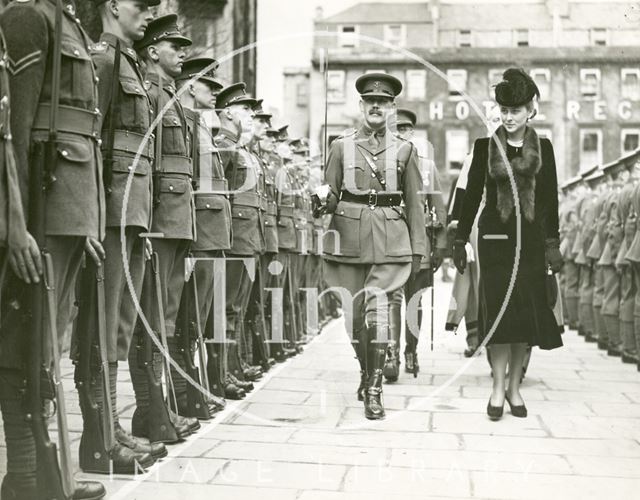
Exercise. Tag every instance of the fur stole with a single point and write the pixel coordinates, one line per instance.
(524, 169)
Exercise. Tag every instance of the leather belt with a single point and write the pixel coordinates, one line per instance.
(130, 142)
(272, 208)
(263, 202)
(70, 120)
(247, 199)
(285, 211)
(175, 164)
(373, 199)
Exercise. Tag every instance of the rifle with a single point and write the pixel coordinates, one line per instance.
(434, 219)
(158, 147)
(54, 480)
(98, 437)
(111, 128)
(159, 423)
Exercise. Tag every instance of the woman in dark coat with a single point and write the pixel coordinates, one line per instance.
(523, 317)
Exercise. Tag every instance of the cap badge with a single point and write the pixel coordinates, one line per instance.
(376, 85)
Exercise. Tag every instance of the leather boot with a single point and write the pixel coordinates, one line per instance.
(233, 361)
(156, 450)
(190, 423)
(251, 372)
(245, 386)
(232, 391)
(88, 490)
(392, 363)
(373, 406)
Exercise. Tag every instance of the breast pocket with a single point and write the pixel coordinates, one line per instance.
(343, 236)
(173, 141)
(134, 107)
(77, 77)
(354, 177)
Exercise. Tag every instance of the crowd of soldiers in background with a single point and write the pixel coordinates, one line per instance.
(600, 281)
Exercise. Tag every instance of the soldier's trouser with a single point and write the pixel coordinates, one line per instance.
(171, 268)
(299, 283)
(238, 289)
(627, 299)
(254, 347)
(636, 306)
(571, 273)
(313, 273)
(587, 320)
(611, 305)
(464, 303)
(600, 330)
(21, 447)
(370, 287)
(283, 281)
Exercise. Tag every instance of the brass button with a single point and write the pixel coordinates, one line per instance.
(372, 174)
(97, 79)
(129, 168)
(375, 158)
(64, 153)
(240, 214)
(208, 206)
(99, 142)
(170, 188)
(76, 52)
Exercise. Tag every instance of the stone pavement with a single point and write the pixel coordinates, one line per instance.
(302, 434)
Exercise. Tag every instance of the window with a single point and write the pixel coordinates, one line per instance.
(590, 83)
(630, 78)
(416, 84)
(495, 77)
(464, 38)
(395, 34)
(375, 71)
(522, 38)
(630, 139)
(302, 94)
(457, 143)
(599, 36)
(335, 86)
(590, 148)
(347, 36)
(542, 77)
(457, 79)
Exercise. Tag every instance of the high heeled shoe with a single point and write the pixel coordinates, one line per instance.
(494, 412)
(519, 411)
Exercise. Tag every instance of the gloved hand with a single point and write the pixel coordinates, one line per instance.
(553, 257)
(415, 264)
(459, 255)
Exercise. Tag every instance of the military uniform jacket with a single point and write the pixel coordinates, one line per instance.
(127, 111)
(75, 203)
(173, 216)
(213, 210)
(626, 223)
(271, 212)
(612, 235)
(633, 255)
(246, 185)
(382, 234)
(13, 227)
(302, 215)
(286, 207)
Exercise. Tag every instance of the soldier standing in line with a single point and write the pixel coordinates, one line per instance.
(371, 174)
(280, 158)
(632, 234)
(163, 51)
(583, 202)
(126, 109)
(246, 185)
(59, 231)
(436, 232)
(611, 234)
(213, 216)
(570, 271)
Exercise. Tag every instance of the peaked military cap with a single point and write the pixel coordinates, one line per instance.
(405, 117)
(378, 85)
(571, 183)
(282, 134)
(236, 93)
(150, 3)
(160, 29)
(593, 176)
(259, 112)
(191, 68)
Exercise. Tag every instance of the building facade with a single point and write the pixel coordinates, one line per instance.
(584, 55)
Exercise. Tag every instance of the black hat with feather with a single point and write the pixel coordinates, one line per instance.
(517, 88)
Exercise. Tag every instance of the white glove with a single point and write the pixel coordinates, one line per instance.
(470, 255)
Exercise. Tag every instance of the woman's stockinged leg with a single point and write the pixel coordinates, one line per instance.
(499, 359)
(518, 353)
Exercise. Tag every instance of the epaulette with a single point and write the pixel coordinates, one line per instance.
(98, 48)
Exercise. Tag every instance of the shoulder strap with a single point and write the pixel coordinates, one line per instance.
(372, 166)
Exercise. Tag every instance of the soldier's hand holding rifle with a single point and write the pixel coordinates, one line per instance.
(26, 261)
(320, 200)
(95, 250)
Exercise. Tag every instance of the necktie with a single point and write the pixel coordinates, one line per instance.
(373, 140)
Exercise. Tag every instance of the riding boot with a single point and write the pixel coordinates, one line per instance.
(190, 403)
(411, 347)
(392, 363)
(373, 406)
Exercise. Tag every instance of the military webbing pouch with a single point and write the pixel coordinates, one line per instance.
(131, 142)
(175, 164)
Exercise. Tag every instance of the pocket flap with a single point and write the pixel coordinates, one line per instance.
(170, 120)
(72, 49)
(131, 87)
(241, 213)
(75, 151)
(176, 186)
(349, 211)
(209, 203)
(392, 214)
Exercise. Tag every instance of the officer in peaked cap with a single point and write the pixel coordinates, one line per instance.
(173, 225)
(69, 220)
(282, 133)
(378, 213)
(213, 230)
(405, 119)
(246, 185)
